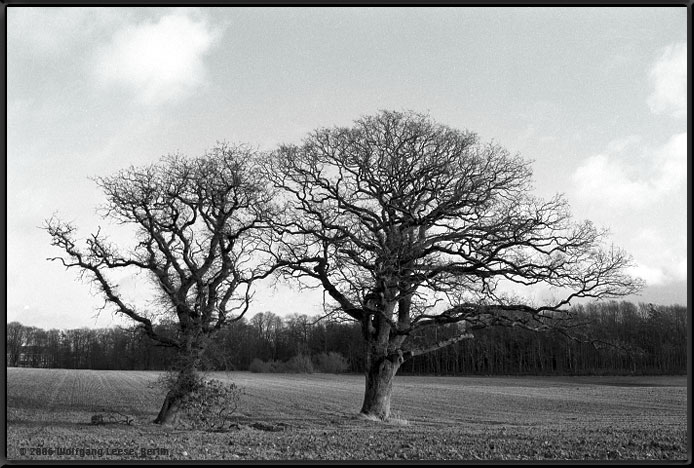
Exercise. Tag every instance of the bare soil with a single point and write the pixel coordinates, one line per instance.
(292, 416)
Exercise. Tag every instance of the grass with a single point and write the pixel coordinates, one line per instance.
(289, 416)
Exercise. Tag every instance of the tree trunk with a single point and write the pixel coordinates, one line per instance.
(185, 382)
(380, 372)
(180, 388)
(169, 409)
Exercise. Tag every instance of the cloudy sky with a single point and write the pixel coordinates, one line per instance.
(595, 96)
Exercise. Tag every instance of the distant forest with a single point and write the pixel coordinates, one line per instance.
(629, 339)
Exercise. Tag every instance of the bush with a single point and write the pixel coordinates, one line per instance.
(210, 406)
(332, 363)
(277, 367)
(259, 367)
(300, 364)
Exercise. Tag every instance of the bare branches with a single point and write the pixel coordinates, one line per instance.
(441, 344)
(196, 223)
(92, 262)
(398, 212)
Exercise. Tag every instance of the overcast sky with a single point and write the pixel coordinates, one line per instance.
(595, 96)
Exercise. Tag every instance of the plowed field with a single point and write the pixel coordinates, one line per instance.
(437, 418)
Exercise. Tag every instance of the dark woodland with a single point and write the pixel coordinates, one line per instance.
(644, 339)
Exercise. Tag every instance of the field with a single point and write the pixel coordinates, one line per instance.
(291, 416)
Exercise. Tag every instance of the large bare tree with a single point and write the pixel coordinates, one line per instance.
(195, 222)
(410, 224)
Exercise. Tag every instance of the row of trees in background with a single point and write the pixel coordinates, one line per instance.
(644, 339)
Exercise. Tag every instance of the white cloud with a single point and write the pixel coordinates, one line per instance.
(602, 179)
(159, 61)
(657, 272)
(616, 179)
(669, 78)
(671, 163)
(659, 258)
(679, 268)
(653, 276)
(630, 175)
(620, 144)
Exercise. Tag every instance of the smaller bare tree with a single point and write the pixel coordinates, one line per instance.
(196, 222)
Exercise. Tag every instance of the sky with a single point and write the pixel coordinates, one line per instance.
(596, 97)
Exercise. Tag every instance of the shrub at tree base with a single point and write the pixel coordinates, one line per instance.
(210, 406)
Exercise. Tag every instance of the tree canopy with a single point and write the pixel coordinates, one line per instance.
(412, 224)
(195, 222)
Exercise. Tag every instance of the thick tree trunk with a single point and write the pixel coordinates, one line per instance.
(181, 387)
(380, 372)
(169, 409)
(186, 380)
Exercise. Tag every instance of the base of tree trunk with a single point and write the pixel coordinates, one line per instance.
(180, 382)
(368, 417)
(379, 386)
(168, 414)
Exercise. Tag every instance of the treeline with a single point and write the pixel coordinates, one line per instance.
(617, 338)
(626, 339)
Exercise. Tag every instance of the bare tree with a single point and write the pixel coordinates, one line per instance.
(268, 326)
(410, 224)
(16, 339)
(195, 221)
